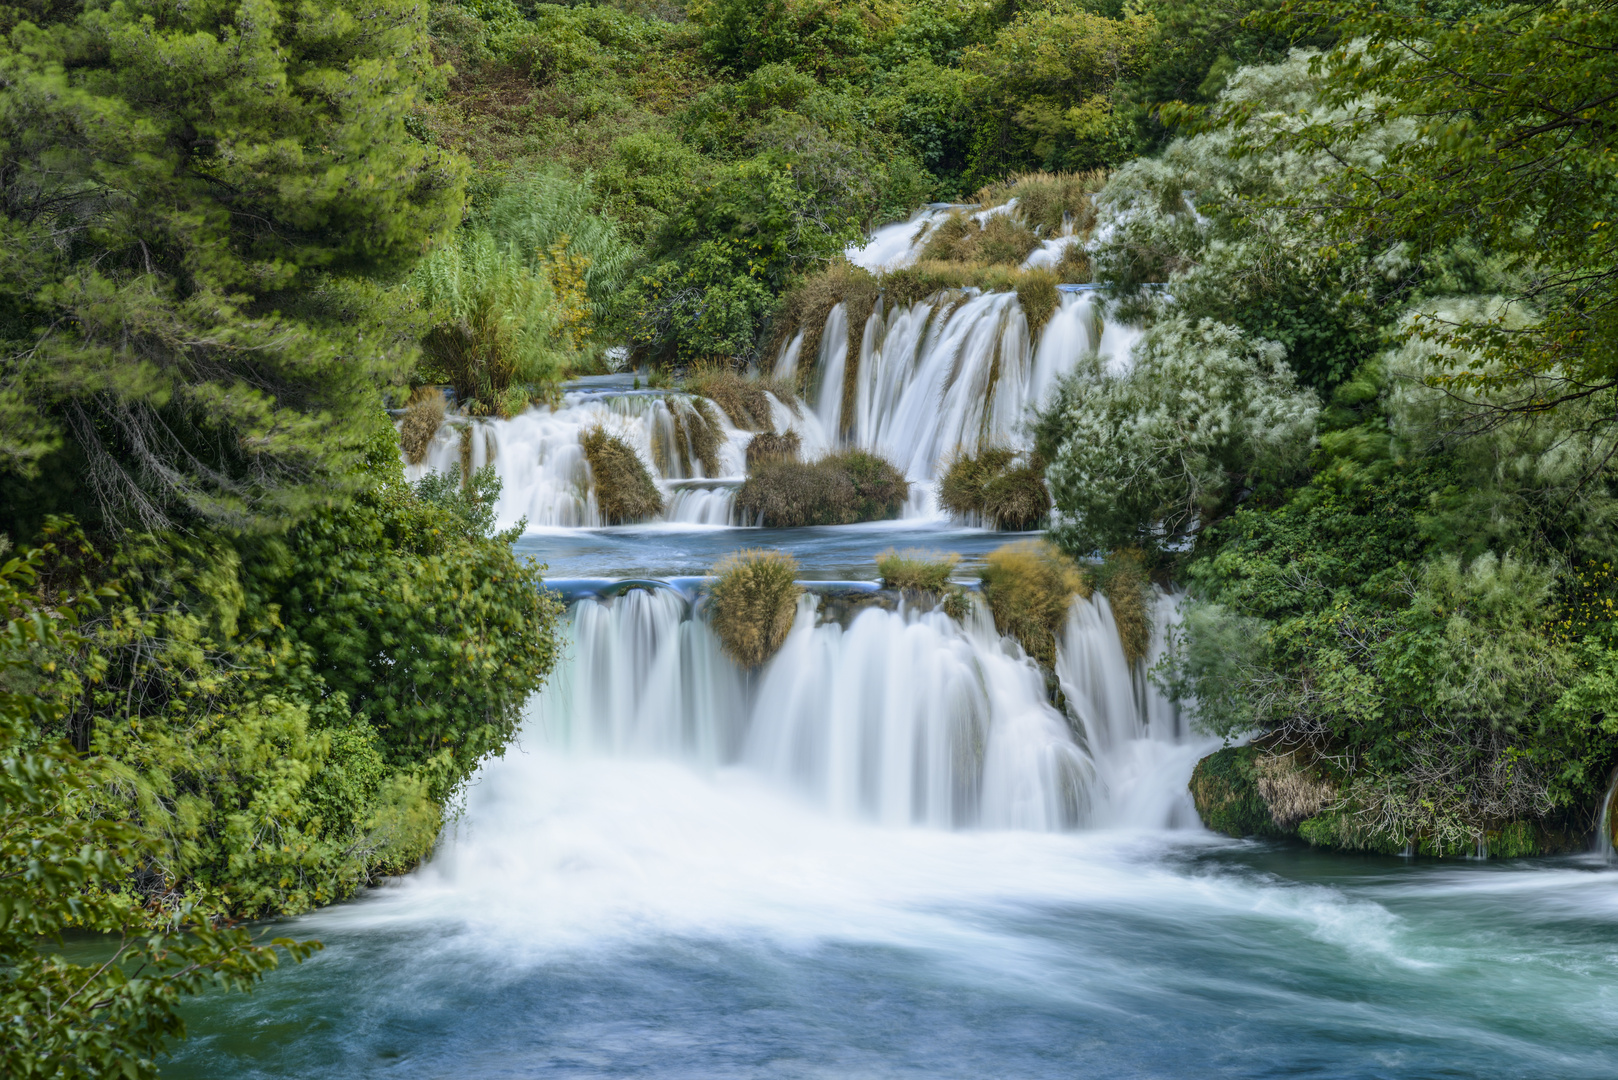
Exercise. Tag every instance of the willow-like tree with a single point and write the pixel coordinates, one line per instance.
(195, 201)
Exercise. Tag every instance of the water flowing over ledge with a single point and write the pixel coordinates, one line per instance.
(903, 717)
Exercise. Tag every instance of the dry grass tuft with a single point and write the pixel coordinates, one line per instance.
(1050, 199)
(768, 446)
(743, 399)
(754, 597)
(1002, 240)
(1029, 586)
(839, 489)
(998, 486)
(697, 433)
(624, 489)
(807, 303)
(1036, 292)
(1291, 792)
(926, 571)
(424, 415)
(1124, 580)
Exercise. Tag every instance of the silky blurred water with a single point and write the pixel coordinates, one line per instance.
(634, 916)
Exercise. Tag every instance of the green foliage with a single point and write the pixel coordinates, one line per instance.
(1225, 787)
(61, 867)
(839, 489)
(1002, 488)
(1514, 158)
(194, 193)
(1145, 458)
(752, 600)
(1030, 585)
(623, 487)
(927, 572)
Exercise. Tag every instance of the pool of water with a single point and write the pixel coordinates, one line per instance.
(593, 916)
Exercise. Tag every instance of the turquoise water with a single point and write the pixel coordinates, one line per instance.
(628, 917)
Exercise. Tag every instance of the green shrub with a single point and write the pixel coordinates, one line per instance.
(1030, 586)
(625, 491)
(1000, 486)
(927, 572)
(839, 489)
(768, 446)
(753, 600)
(1050, 201)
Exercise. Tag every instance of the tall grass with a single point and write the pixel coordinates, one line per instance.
(768, 446)
(839, 489)
(546, 214)
(1123, 578)
(1002, 487)
(625, 491)
(925, 571)
(753, 599)
(744, 400)
(1029, 586)
(424, 415)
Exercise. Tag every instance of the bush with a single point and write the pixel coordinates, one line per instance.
(1030, 586)
(1145, 458)
(753, 599)
(1001, 239)
(624, 489)
(916, 570)
(423, 417)
(767, 447)
(839, 489)
(995, 487)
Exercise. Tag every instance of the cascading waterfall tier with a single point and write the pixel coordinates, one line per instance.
(954, 373)
(545, 476)
(904, 717)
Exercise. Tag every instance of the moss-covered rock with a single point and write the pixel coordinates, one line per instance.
(1224, 786)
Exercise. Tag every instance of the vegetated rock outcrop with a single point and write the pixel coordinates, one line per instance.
(624, 489)
(839, 489)
(1271, 792)
(753, 599)
(1029, 586)
(1002, 487)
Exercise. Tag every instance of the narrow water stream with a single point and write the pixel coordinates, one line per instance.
(834, 869)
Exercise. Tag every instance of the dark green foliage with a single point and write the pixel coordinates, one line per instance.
(839, 489)
(624, 490)
(194, 199)
(1002, 487)
(1225, 787)
(59, 867)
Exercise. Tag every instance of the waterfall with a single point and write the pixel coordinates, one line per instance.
(903, 717)
(545, 477)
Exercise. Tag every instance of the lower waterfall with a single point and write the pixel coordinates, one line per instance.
(902, 717)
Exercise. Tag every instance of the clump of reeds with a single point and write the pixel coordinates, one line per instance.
(752, 600)
(744, 400)
(839, 489)
(920, 570)
(424, 415)
(768, 446)
(1029, 586)
(624, 489)
(1003, 487)
(1124, 580)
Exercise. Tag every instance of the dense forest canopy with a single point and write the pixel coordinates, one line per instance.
(1369, 428)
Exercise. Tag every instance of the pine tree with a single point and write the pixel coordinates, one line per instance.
(196, 203)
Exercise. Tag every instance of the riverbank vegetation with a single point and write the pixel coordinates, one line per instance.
(1370, 426)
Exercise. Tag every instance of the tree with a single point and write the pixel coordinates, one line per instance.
(193, 194)
(1516, 111)
(60, 868)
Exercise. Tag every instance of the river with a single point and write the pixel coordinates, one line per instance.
(619, 906)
